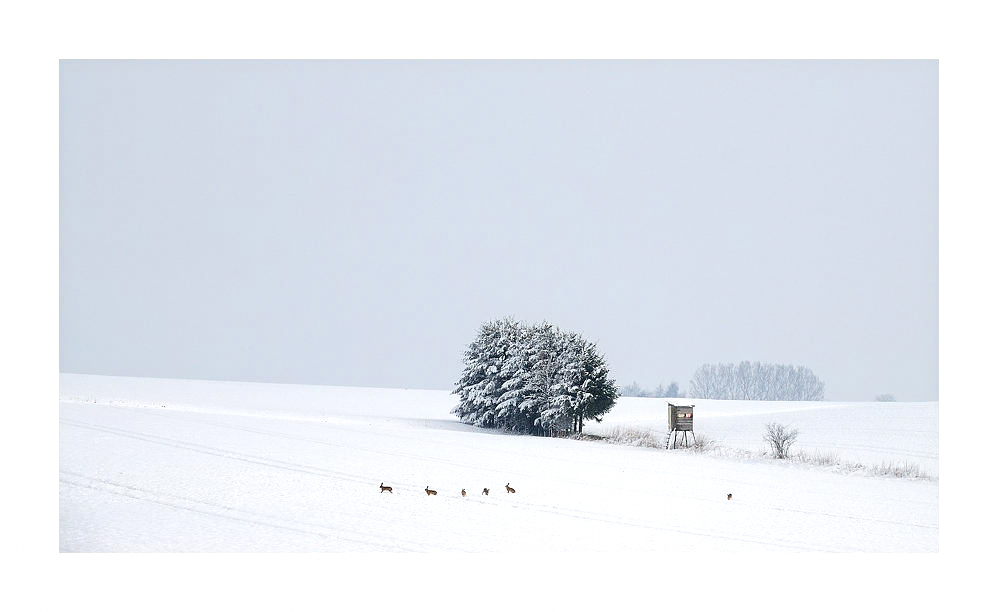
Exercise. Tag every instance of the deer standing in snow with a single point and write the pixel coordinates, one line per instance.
(430, 491)
(510, 489)
(384, 488)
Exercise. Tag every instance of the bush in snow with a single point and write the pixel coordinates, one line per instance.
(817, 457)
(902, 469)
(533, 379)
(702, 444)
(780, 439)
(756, 381)
(632, 436)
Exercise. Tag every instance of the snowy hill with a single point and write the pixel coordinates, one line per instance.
(179, 465)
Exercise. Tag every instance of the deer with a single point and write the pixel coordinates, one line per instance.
(430, 491)
(464, 493)
(384, 488)
(485, 491)
(510, 489)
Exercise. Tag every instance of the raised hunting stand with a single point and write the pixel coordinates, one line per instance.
(680, 420)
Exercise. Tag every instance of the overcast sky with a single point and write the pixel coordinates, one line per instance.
(353, 223)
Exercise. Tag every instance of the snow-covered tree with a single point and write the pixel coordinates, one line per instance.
(480, 386)
(533, 379)
(587, 391)
(756, 381)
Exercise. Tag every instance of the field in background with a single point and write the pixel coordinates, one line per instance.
(864, 433)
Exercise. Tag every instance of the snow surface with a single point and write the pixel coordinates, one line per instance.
(180, 465)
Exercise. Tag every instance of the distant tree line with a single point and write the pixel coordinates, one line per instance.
(756, 381)
(534, 379)
(635, 390)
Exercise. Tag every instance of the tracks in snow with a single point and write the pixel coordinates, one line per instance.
(318, 529)
(232, 513)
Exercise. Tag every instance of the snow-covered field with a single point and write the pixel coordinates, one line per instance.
(178, 465)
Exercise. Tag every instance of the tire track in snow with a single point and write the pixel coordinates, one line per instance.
(224, 511)
(320, 472)
(412, 489)
(275, 463)
(737, 537)
(350, 477)
(849, 517)
(157, 498)
(614, 518)
(156, 411)
(218, 452)
(354, 447)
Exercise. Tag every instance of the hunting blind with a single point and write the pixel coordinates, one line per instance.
(680, 420)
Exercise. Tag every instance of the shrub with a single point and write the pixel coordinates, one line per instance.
(898, 470)
(632, 437)
(702, 444)
(817, 458)
(780, 439)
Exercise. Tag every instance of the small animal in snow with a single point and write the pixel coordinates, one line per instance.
(729, 495)
(384, 488)
(430, 491)
(464, 493)
(485, 491)
(510, 489)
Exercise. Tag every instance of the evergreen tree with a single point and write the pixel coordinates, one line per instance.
(599, 391)
(537, 379)
(480, 386)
